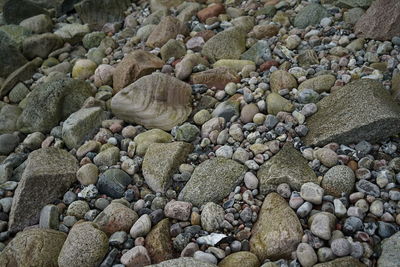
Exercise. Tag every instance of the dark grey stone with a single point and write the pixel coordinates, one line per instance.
(113, 183)
(10, 57)
(15, 11)
(310, 15)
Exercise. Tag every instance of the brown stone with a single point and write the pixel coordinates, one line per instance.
(264, 31)
(135, 65)
(116, 217)
(211, 11)
(206, 34)
(217, 77)
(167, 29)
(381, 21)
(158, 242)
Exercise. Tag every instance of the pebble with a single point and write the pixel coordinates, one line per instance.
(312, 193)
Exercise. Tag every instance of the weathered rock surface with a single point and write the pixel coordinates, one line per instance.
(47, 176)
(217, 77)
(15, 11)
(390, 256)
(212, 180)
(81, 125)
(168, 28)
(342, 116)
(158, 242)
(381, 21)
(287, 166)
(277, 231)
(33, 247)
(85, 246)
(183, 262)
(51, 102)
(242, 258)
(342, 262)
(154, 101)
(134, 66)
(10, 57)
(161, 161)
(96, 13)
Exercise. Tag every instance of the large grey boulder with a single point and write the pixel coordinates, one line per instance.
(52, 102)
(48, 175)
(10, 57)
(390, 256)
(33, 247)
(361, 110)
(212, 180)
(161, 161)
(287, 166)
(81, 125)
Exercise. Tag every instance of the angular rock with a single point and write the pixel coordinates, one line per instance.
(342, 262)
(41, 45)
(41, 184)
(51, 102)
(81, 125)
(168, 28)
(116, 217)
(228, 44)
(158, 242)
(342, 117)
(10, 57)
(145, 140)
(277, 231)
(212, 180)
(277, 103)
(19, 75)
(33, 247)
(287, 166)
(96, 13)
(154, 101)
(134, 66)
(136, 257)
(183, 262)
(381, 21)
(173, 48)
(15, 11)
(161, 161)
(310, 15)
(217, 77)
(390, 256)
(85, 246)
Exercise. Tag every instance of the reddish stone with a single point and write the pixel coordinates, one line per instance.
(48, 141)
(217, 77)
(268, 64)
(207, 35)
(211, 11)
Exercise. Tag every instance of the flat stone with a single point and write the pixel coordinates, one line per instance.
(353, 3)
(133, 66)
(168, 28)
(235, 64)
(33, 247)
(242, 258)
(73, 33)
(96, 13)
(158, 242)
(320, 83)
(85, 246)
(81, 125)
(41, 184)
(41, 45)
(154, 101)
(161, 161)
(145, 140)
(346, 121)
(218, 77)
(116, 217)
(287, 166)
(380, 22)
(51, 102)
(212, 180)
(277, 231)
(310, 15)
(38, 24)
(183, 262)
(342, 262)
(228, 44)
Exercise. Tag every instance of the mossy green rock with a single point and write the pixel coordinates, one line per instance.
(144, 140)
(187, 132)
(287, 166)
(212, 180)
(361, 110)
(8, 118)
(321, 83)
(242, 258)
(52, 102)
(310, 15)
(229, 44)
(33, 247)
(16, 33)
(277, 231)
(10, 56)
(161, 161)
(277, 103)
(93, 39)
(85, 246)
